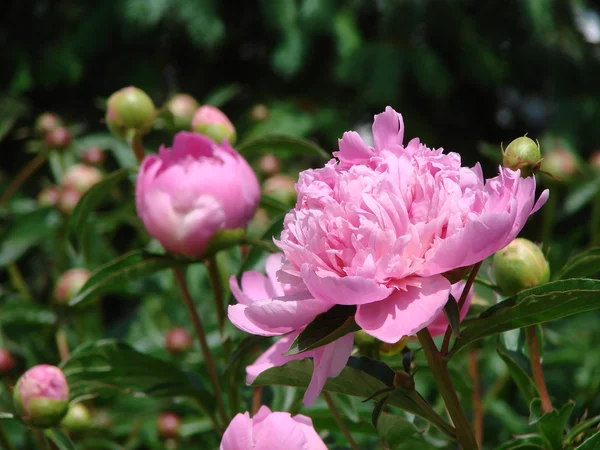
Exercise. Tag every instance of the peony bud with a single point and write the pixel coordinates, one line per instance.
(69, 197)
(523, 153)
(7, 362)
(259, 112)
(41, 396)
(70, 283)
(47, 122)
(81, 177)
(186, 194)
(129, 108)
(58, 139)
(49, 196)
(558, 161)
(212, 122)
(93, 155)
(183, 107)
(168, 424)
(178, 340)
(281, 187)
(78, 419)
(520, 265)
(595, 160)
(269, 164)
(266, 428)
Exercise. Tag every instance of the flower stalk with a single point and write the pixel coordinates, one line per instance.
(536, 368)
(340, 421)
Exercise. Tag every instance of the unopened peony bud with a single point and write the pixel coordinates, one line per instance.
(47, 122)
(520, 265)
(78, 419)
(178, 340)
(595, 160)
(524, 154)
(558, 161)
(212, 122)
(58, 139)
(168, 424)
(69, 197)
(281, 187)
(129, 108)
(81, 177)
(269, 164)
(94, 155)
(49, 196)
(186, 194)
(7, 362)
(183, 107)
(41, 396)
(70, 283)
(259, 112)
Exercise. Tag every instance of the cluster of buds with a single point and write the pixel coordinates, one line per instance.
(50, 128)
(78, 179)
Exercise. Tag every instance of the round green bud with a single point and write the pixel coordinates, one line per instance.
(129, 108)
(520, 265)
(78, 419)
(524, 154)
(182, 107)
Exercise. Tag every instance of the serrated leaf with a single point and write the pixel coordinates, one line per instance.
(585, 264)
(128, 267)
(283, 145)
(324, 329)
(92, 198)
(547, 302)
(593, 443)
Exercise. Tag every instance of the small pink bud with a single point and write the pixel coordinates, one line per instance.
(69, 197)
(93, 155)
(58, 139)
(188, 193)
(595, 160)
(70, 283)
(129, 108)
(281, 187)
(49, 196)
(212, 122)
(183, 107)
(259, 112)
(41, 396)
(81, 177)
(7, 362)
(269, 164)
(178, 340)
(47, 122)
(168, 424)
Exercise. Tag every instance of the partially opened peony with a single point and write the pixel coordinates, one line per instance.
(271, 431)
(187, 193)
(379, 228)
(269, 308)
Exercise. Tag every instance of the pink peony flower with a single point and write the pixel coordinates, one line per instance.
(269, 308)
(379, 228)
(187, 193)
(271, 431)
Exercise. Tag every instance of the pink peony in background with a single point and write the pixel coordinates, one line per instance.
(271, 431)
(269, 308)
(187, 193)
(379, 228)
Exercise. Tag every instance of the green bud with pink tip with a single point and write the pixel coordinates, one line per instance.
(520, 265)
(129, 108)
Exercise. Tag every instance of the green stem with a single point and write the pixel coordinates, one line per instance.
(21, 177)
(464, 432)
(136, 144)
(536, 368)
(487, 284)
(208, 358)
(339, 420)
(217, 288)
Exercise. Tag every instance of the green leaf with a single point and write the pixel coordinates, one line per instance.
(257, 252)
(109, 366)
(552, 425)
(128, 267)
(581, 195)
(592, 443)
(378, 409)
(586, 264)
(283, 145)
(92, 198)
(6, 416)
(119, 148)
(360, 378)
(396, 431)
(222, 95)
(60, 439)
(324, 329)
(266, 201)
(581, 427)
(453, 314)
(543, 303)
(249, 343)
(26, 316)
(520, 377)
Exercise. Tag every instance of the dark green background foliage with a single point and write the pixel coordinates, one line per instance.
(466, 75)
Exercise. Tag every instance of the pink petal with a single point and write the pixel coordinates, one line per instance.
(286, 313)
(353, 149)
(272, 265)
(388, 129)
(541, 200)
(238, 435)
(404, 312)
(273, 357)
(237, 316)
(255, 285)
(278, 432)
(350, 290)
(239, 295)
(314, 440)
